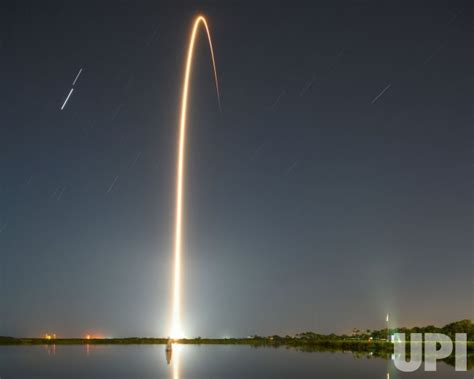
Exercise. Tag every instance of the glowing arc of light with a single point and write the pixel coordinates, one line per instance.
(176, 329)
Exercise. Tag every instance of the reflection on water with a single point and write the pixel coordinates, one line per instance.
(51, 349)
(409, 356)
(89, 349)
(169, 354)
(200, 362)
(172, 352)
(176, 362)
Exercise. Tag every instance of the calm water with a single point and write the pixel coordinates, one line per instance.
(196, 362)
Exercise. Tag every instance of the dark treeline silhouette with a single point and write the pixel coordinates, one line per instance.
(463, 326)
(358, 341)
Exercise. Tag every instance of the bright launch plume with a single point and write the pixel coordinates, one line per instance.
(176, 326)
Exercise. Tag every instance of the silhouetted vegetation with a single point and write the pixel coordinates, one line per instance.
(373, 342)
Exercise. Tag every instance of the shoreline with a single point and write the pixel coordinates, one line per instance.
(336, 345)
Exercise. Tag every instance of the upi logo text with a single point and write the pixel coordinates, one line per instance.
(436, 346)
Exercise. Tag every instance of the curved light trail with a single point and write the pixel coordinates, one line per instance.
(176, 328)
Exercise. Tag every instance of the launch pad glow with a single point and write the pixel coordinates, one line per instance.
(176, 326)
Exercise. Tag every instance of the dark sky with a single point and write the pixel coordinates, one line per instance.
(334, 187)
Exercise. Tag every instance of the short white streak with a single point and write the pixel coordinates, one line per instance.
(113, 184)
(77, 76)
(381, 93)
(67, 98)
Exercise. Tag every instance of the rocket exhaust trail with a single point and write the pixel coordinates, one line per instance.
(176, 329)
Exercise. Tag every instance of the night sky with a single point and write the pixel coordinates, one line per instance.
(335, 185)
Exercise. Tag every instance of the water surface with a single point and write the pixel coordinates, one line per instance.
(198, 362)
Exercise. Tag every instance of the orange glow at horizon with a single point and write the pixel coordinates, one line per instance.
(92, 336)
(176, 327)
